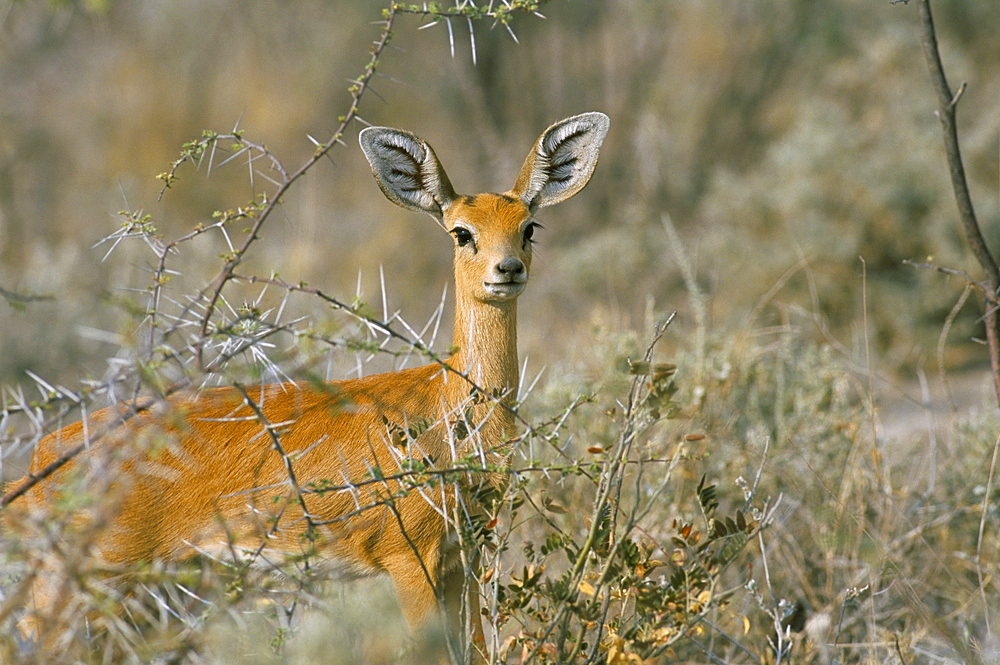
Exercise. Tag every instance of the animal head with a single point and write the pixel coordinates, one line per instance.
(492, 232)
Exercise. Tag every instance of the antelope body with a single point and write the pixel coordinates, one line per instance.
(211, 478)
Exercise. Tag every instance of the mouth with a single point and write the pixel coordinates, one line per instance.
(504, 289)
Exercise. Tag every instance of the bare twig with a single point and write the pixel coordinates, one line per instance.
(989, 295)
(15, 298)
(946, 113)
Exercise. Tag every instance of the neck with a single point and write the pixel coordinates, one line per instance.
(485, 340)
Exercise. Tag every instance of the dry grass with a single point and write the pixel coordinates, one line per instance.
(886, 546)
(784, 145)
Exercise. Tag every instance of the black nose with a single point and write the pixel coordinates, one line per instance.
(511, 267)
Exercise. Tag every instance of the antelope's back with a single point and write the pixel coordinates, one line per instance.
(198, 473)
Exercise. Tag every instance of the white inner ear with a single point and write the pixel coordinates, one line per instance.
(554, 139)
(407, 170)
(562, 160)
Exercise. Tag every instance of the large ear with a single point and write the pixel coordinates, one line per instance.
(562, 160)
(407, 170)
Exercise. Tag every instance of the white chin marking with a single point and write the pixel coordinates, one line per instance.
(504, 290)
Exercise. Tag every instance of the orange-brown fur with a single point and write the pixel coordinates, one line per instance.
(201, 471)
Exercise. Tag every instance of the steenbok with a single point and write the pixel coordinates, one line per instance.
(325, 472)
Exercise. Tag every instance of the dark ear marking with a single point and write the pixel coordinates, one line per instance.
(562, 160)
(407, 170)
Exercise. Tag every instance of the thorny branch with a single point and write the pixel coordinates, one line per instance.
(273, 434)
(209, 298)
(500, 12)
(214, 290)
(385, 328)
(33, 479)
(212, 293)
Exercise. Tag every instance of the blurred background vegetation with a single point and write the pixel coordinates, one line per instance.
(770, 167)
(791, 144)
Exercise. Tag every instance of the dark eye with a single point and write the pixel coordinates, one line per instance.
(529, 232)
(462, 236)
